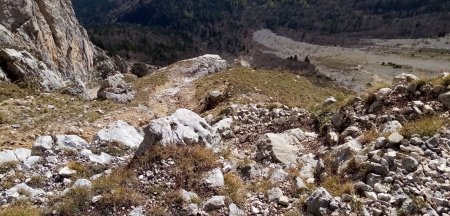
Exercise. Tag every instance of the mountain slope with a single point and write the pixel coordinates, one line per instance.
(172, 30)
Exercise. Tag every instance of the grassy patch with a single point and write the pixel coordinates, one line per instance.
(147, 84)
(20, 208)
(117, 179)
(121, 197)
(260, 186)
(37, 181)
(234, 188)
(5, 167)
(337, 185)
(426, 126)
(286, 88)
(74, 202)
(369, 137)
(190, 163)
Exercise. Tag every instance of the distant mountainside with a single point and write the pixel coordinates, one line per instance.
(163, 31)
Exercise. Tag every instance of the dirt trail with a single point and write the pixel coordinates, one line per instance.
(355, 67)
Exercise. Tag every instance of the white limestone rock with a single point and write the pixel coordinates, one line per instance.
(121, 133)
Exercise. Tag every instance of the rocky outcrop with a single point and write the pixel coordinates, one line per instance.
(42, 42)
(116, 89)
(184, 127)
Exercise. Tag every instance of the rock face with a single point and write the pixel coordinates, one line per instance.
(42, 42)
(184, 127)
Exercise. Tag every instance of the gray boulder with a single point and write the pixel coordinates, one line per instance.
(43, 143)
(274, 194)
(7, 157)
(284, 147)
(121, 133)
(184, 127)
(80, 183)
(234, 210)
(321, 203)
(343, 154)
(23, 190)
(14, 156)
(445, 99)
(391, 127)
(395, 138)
(116, 89)
(215, 202)
(215, 178)
(70, 142)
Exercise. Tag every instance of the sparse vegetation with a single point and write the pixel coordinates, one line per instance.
(260, 186)
(20, 208)
(37, 181)
(74, 202)
(369, 136)
(426, 126)
(39, 112)
(5, 167)
(147, 84)
(118, 198)
(234, 188)
(191, 162)
(269, 86)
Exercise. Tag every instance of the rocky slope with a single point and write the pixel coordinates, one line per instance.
(382, 154)
(41, 42)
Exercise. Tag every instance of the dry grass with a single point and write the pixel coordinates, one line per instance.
(29, 108)
(334, 182)
(260, 186)
(426, 126)
(337, 185)
(5, 167)
(145, 85)
(190, 163)
(82, 170)
(20, 208)
(119, 178)
(37, 181)
(74, 202)
(11, 180)
(368, 137)
(234, 188)
(286, 88)
(119, 198)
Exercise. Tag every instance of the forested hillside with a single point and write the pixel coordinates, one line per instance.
(163, 31)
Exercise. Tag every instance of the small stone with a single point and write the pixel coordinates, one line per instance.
(395, 138)
(235, 210)
(215, 202)
(410, 164)
(284, 201)
(138, 211)
(67, 172)
(82, 183)
(383, 93)
(371, 195)
(215, 178)
(274, 194)
(299, 184)
(42, 143)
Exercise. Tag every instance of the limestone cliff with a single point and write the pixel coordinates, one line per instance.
(41, 41)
